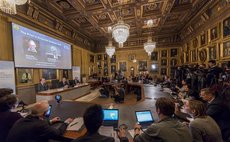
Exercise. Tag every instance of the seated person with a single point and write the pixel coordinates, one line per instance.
(76, 81)
(119, 94)
(42, 86)
(35, 128)
(104, 91)
(181, 89)
(167, 82)
(217, 111)
(63, 83)
(7, 118)
(203, 127)
(167, 129)
(93, 118)
(188, 93)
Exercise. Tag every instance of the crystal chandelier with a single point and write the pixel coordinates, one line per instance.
(149, 46)
(110, 49)
(120, 32)
(9, 6)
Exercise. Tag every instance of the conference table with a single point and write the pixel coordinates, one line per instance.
(73, 109)
(71, 93)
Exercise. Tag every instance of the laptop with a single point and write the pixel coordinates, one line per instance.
(111, 117)
(144, 118)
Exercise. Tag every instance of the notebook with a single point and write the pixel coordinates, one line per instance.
(111, 117)
(144, 118)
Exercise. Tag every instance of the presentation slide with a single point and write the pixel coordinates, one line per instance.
(110, 114)
(36, 50)
(144, 116)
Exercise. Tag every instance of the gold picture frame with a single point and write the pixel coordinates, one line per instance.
(123, 66)
(213, 52)
(214, 33)
(143, 65)
(131, 57)
(226, 27)
(193, 55)
(49, 74)
(203, 38)
(225, 50)
(24, 76)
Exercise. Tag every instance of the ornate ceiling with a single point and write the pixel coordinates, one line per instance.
(91, 18)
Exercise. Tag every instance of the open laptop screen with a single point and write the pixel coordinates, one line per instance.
(144, 116)
(110, 114)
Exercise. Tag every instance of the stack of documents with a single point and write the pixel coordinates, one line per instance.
(76, 124)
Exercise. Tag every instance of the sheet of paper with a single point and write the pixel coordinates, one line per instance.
(108, 131)
(76, 124)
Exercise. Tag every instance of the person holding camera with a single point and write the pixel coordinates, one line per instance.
(35, 128)
(7, 118)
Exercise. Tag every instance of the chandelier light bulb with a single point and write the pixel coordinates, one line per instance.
(120, 32)
(9, 6)
(149, 46)
(110, 49)
(20, 2)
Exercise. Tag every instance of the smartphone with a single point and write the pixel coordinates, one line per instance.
(48, 112)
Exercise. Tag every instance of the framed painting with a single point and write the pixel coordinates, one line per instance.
(154, 56)
(99, 57)
(99, 64)
(105, 64)
(105, 57)
(113, 59)
(203, 39)
(91, 58)
(225, 50)
(122, 66)
(131, 57)
(212, 52)
(195, 42)
(203, 55)
(163, 71)
(113, 68)
(226, 27)
(106, 72)
(187, 56)
(142, 66)
(49, 74)
(24, 75)
(173, 62)
(214, 33)
(193, 55)
(163, 62)
(164, 53)
(173, 52)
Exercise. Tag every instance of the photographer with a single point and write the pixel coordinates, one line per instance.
(213, 73)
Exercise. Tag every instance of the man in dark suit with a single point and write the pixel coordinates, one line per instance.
(76, 81)
(217, 111)
(42, 86)
(64, 83)
(35, 128)
(93, 118)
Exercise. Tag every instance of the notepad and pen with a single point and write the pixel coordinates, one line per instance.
(76, 124)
